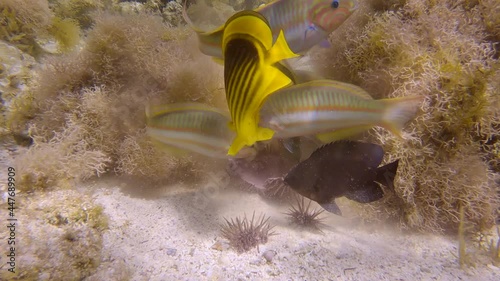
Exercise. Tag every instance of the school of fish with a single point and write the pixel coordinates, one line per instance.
(267, 99)
(305, 23)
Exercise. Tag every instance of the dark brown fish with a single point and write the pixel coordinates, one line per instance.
(343, 168)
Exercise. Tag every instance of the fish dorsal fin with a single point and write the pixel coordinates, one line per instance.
(320, 150)
(280, 50)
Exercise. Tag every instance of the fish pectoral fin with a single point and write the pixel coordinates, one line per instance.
(280, 50)
(274, 183)
(368, 193)
(331, 207)
(292, 145)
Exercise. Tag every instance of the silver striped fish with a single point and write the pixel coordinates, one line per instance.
(190, 127)
(333, 110)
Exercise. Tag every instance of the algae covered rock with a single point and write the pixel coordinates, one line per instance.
(15, 70)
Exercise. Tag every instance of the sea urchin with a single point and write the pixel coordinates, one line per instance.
(305, 217)
(244, 234)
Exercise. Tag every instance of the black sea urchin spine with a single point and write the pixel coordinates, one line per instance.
(244, 234)
(304, 216)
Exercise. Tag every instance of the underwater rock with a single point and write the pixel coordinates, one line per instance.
(131, 7)
(172, 13)
(269, 255)
(15, 67)
(171, 251)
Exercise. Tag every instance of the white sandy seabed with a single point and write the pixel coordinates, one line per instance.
(169, 235)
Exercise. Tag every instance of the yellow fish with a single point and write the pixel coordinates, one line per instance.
(251, 73)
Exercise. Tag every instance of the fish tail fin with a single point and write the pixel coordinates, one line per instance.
(186, 17)
(280, 50)
(387, 173)
(399, 111)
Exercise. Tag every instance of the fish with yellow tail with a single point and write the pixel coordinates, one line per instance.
(332, 110)
(305, 23)
(251, 73)
(191, 127)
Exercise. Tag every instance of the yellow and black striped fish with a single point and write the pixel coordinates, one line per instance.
(251, 72)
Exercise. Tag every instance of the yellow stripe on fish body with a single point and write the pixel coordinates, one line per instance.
(325, 106)
(250, 74)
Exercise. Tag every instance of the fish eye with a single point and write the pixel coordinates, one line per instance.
(335, 4)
